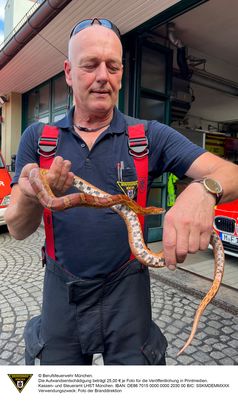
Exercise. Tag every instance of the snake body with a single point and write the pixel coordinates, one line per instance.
(92, 196)
(128, 209)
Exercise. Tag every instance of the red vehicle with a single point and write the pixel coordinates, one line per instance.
(226, 225)
(5, 189)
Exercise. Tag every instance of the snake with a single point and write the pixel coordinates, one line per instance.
(128, 209)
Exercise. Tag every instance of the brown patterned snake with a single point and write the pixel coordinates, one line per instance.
(128, 209)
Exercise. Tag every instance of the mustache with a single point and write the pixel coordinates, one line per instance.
(101, 90)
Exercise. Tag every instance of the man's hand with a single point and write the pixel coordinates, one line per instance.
(188, 224)
(24, 213)
(59, 177)
(24, 184)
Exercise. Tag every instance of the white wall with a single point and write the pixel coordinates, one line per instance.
(14, 12)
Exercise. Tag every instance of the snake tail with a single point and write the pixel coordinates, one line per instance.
(218, 275)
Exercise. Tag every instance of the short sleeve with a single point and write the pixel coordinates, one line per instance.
(170, 151)
(27, 150)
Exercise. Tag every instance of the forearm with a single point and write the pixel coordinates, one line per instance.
(188, 224)
(23, 217)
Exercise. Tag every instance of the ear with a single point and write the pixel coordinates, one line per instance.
(67, 71)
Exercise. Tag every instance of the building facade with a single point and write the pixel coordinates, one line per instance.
(159, 73)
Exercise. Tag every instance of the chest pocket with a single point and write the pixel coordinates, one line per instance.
(123, 180)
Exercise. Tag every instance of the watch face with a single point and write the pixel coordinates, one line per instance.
(213, 186)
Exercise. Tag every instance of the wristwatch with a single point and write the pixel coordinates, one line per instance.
(211, 186)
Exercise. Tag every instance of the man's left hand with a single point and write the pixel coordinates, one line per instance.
(188, 224)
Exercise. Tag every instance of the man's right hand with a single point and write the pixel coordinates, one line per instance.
(59, 178)
(24, 184)
(24, 213)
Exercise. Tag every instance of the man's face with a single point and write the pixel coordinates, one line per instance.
(95, 69)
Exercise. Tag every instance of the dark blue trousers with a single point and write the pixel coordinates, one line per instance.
(111, 316)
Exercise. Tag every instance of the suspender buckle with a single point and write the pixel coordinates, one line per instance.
(138, 147)
(47, 146)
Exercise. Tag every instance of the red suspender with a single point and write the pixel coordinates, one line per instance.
(138, 148)
(47, 145)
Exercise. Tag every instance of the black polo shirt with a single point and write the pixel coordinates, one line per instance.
(93, 242)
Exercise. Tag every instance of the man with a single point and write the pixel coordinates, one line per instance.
(94, 299)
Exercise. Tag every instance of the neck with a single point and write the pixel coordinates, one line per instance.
(90, 122)
(90, 129)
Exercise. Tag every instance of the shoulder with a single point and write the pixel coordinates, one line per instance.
(33, 130)
(132, 121)
(162, 134)
(153, 127)
(157, 133)
(156, 128)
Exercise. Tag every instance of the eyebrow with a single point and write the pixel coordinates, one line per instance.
(96, 59)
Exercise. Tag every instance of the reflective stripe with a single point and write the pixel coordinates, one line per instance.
(47, 146)
(137, 136)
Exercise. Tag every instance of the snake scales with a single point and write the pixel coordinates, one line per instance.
(128, 209)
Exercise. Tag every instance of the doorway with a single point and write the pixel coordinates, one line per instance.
(149, 67)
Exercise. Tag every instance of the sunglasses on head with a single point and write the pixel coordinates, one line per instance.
(87, 23)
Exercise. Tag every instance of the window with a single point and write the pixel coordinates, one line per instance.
(153, 69)
(44, 99)
(151, 109)
(60, 93)
(46, 103)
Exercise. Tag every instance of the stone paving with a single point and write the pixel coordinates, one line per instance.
(21, 277)
(216, 340)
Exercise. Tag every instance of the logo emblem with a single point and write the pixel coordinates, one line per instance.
(20, 380)
(129, 188)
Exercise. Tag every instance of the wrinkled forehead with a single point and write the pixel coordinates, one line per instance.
(95, 36)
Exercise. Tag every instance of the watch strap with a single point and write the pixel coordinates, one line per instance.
(217, 195)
